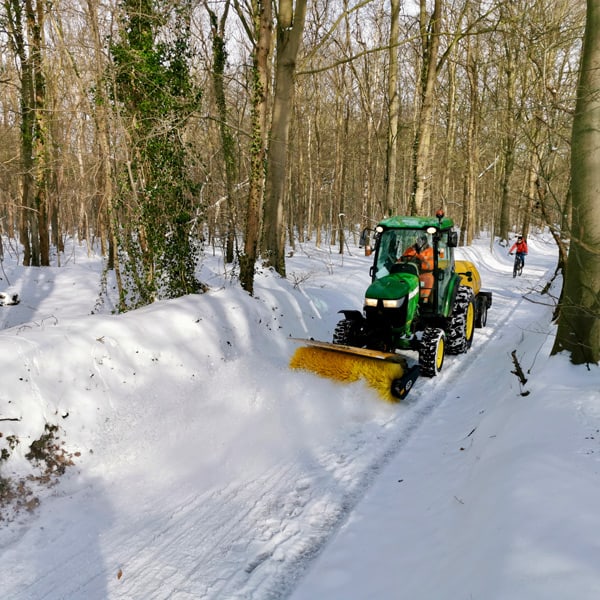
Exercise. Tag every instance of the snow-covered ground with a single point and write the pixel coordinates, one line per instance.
(204, 468)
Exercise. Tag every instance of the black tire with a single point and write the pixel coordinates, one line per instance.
(482, 310)
(518, 266)
(462, 324)
(432, 351)
(347, 333)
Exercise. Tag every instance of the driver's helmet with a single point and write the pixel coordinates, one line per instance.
(519, 238)
(421, 241)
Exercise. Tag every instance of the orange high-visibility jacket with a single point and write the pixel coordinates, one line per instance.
(426, 269)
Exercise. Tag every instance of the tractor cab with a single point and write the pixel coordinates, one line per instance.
(421, 247)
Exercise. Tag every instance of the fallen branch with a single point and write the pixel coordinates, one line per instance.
(10, 418)
(519, 371)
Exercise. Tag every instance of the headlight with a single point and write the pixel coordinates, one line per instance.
(371, 302)
(393, 303)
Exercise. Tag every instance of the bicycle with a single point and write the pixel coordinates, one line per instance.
(518, 264)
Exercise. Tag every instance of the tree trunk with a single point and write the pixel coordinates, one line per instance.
(104, 182)
(533, 174)
(227, 141)
(509, 144)
(430, 34)
(26, 37)
(393, 110)
(290, 25)
(340, 178)
(472, 146)
(262, 14)
(450, 137)
(579, 320)
(36, 24)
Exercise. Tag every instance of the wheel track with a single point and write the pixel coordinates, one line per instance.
(425, 402)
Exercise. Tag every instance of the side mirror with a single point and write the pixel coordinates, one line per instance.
(452, 239)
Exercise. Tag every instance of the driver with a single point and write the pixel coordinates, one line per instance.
(422, 252)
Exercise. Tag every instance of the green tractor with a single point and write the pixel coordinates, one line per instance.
(420, 298)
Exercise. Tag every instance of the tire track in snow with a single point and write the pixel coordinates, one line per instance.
(200, 550)
(424, 399)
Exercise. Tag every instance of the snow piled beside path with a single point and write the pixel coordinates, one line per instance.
(204, 468)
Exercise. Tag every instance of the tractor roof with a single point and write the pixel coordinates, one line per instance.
(416, 223)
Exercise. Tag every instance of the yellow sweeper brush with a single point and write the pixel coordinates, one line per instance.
(387, 373)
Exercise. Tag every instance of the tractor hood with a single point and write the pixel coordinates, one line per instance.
(393, 287)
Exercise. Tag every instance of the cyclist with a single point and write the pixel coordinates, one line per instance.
(521, 247)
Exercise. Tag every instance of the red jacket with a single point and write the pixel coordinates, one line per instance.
(520, 247)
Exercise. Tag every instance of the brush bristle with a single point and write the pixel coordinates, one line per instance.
(378, 374)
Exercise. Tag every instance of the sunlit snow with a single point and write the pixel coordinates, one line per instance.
(204, 468)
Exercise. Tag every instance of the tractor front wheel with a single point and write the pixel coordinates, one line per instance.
(431, 354)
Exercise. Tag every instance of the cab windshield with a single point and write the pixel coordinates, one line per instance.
(393, 244)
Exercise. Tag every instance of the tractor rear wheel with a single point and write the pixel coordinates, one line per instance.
(462, 324)
(482, 308)
(431, 354)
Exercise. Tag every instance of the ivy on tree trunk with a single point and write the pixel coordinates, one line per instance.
(157, 241)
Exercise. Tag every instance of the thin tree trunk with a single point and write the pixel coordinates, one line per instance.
(393, 110)
(104, 186)
(36, 24)
(227, 141)
(341, 177)
(262, 15)
(450, 136)
(26, 33)
(430, 34)
(468, 224)
(509, 143)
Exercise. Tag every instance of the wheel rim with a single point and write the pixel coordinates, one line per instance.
(439, 354)
(470, 322)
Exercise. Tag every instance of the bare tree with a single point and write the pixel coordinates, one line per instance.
(260, 35)
(104, 175)
(393, 109)
(472, 146)
(430, 29)
(26, 23)
(289, 25)
(219, 52)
